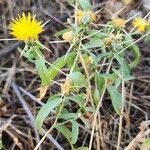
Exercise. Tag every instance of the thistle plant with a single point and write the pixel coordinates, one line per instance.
(97, 65)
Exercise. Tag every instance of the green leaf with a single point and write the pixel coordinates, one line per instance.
(97, 33)
(76, 28)
(125, 77)
(147, 38)
(96, 96)
(102, 55)
(75, 132)
(99, 85)
(118, 72)
(78, 79)
(67, 116)
(135, 50)
(79, 99)
(124, 66)
(99, 81)
(1, 145)
(45, 110)
(117, 83)
(128, 77)
(90, 109)
(59, 64)
(42, 71)
(137, 56)
(66, 132)
(29, 53)
(94, 43)
(85, 121)
(146, 143)
(85, 4)
(70, 62)
(116, 98)
(107, 76)
(86, 19)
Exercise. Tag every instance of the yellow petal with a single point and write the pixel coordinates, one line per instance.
(25, 27)
(140, 24)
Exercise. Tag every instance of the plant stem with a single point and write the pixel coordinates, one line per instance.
(97, 134)
(89, 91)
(121, 117)
(134, 42)
(98, 107)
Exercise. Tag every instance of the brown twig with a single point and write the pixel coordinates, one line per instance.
(10, 49)
(26, 108)
(31, 117)
(31, 96)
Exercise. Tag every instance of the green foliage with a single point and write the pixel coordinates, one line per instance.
(101, 68)
(116, 98)
(66, 132)
(94, 43)
(69, 116)
(51, 104)
(134, 49)
(85, 4)
(124, 66)
(1, 145)
(53, 70)
(74, 132)
(79, 99)
(78, 79)
(42, 71)
(146, 143)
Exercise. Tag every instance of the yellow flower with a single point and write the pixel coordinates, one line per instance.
(82, 14)
(119, 22)
(26, 27)
(68, 36)
(140, 24)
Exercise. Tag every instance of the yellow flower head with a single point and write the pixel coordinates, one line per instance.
(82, 14)
(68, 36)
(140, 24)
(26, 27)
(119, 22)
